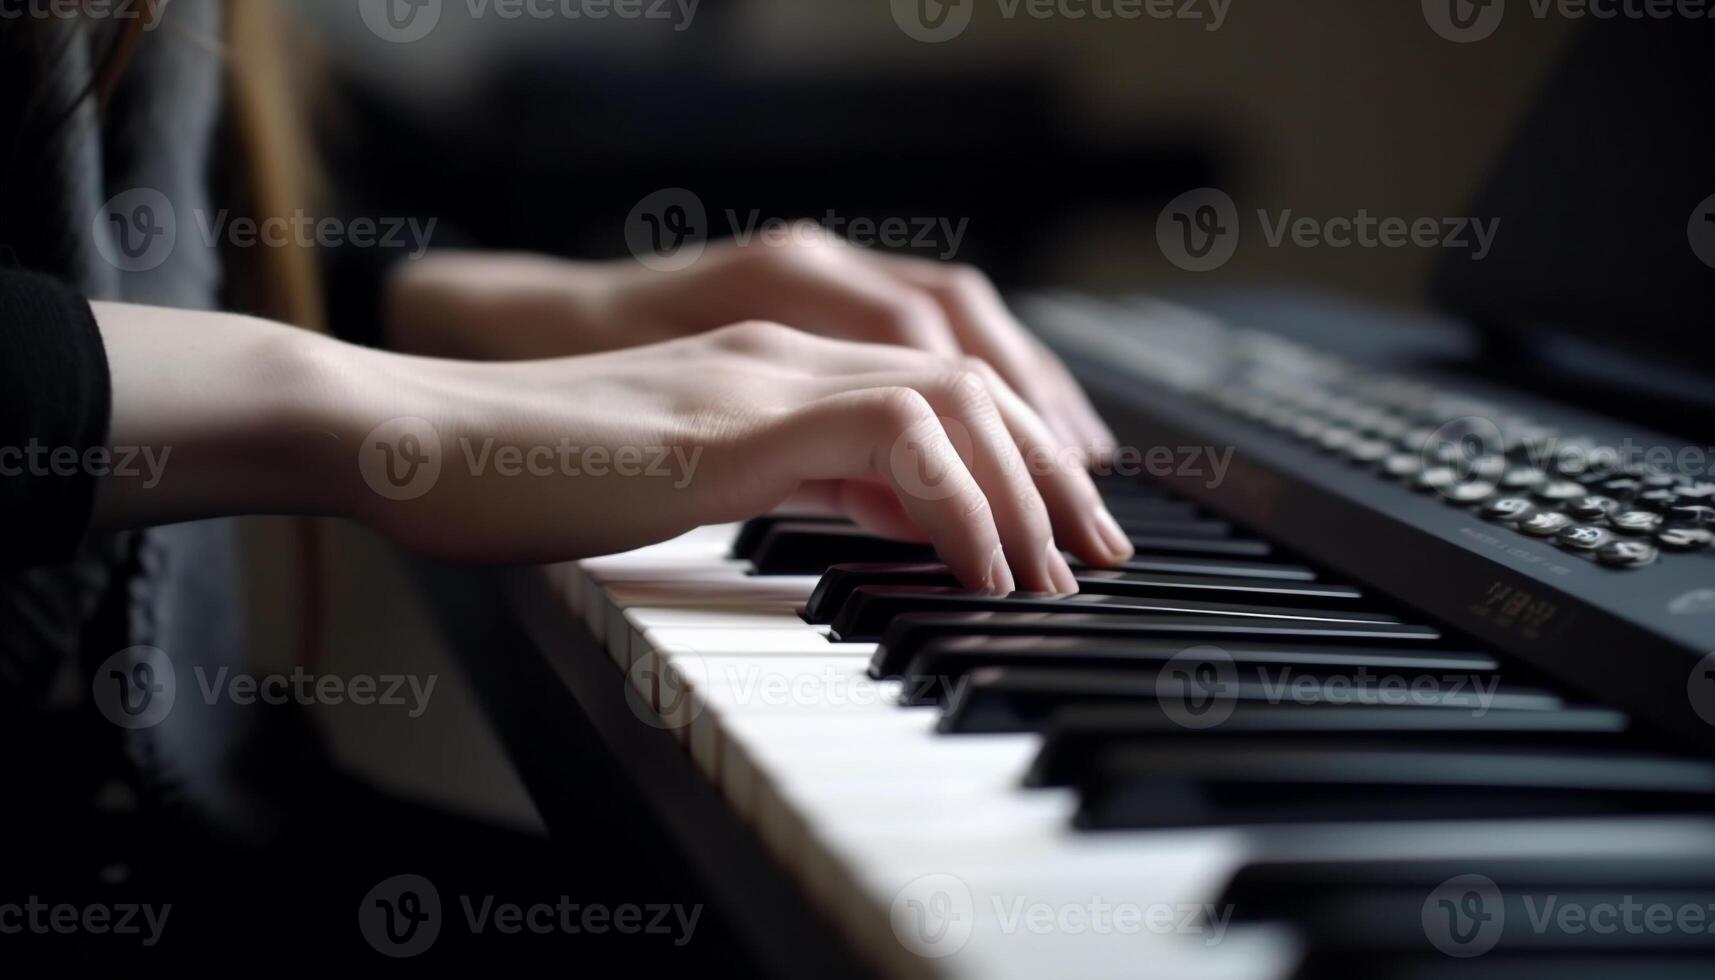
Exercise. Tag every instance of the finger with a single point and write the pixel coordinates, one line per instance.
(825, 289)
(893, 433)
(1080, 520)
(1082, 523)
(962, 402)
(982, 325)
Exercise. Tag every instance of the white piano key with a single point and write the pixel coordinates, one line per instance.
(812, 641)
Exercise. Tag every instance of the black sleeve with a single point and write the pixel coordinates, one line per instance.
(55, 399)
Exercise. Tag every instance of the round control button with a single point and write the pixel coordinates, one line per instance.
(1508, 509)
(1625, 554)
(1592, 507)
(1635, 522)
(1469, 492)
(1436, 478)
(1684, 538)
(1403, 465)
(1693, 515)
(1583, 537)
(1544, 523)
(1368, 450)
(1523, 478)
(1559, 490)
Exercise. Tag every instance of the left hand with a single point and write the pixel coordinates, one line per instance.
(499, 306)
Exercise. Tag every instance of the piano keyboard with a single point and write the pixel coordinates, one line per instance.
(1215, 762)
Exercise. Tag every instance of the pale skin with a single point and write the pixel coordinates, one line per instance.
(891, 372)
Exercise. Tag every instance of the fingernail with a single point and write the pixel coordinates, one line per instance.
(1060, 572)
(999, 578)
(1107, 531)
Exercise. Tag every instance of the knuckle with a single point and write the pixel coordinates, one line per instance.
(901, 409)
(966, 280)
(975, 508)
(965, 391)
(755, 335)
(909, 319)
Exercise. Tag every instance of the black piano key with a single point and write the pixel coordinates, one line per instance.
(1202, 528)
(947, 659)
(1073, 736)
(1587, 964)
(1151, 508)
(867, 611)
(1403, 917)
(1004, 699)
(751, 533)
(838, 583)
(809, 547)
(1239, 783)
(1230, 547)
(908, 634)
(1228, 568)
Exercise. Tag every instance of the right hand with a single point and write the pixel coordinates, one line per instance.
(750, 417)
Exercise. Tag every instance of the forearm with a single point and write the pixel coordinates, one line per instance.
(501, 306)
(215, 414)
